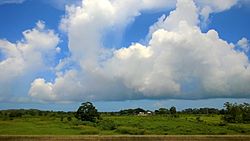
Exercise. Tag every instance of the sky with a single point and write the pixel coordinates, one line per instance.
(55, 54)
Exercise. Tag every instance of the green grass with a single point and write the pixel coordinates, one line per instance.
(36, 126)
(126, 138)
(128, 125)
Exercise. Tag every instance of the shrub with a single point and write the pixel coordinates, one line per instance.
(222, 124)
(130, 130)
(69, 118)
(61, 118)
(85, 123)
(107, 125)
(198, 119)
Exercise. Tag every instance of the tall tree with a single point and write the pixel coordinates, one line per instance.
(173, 110)
(87, 112)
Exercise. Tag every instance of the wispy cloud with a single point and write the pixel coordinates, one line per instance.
(61, 4)
(11, 1)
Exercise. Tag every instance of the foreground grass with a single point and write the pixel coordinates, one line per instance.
(128, 138)
(128, 125)
(36, 126)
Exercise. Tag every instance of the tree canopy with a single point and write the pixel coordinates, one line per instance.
(87, 112)
(237, 112)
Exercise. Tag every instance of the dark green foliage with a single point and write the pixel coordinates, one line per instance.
(87, 112)
(198, 119)
(222, 111)
(69, 118)
(162, 111)
(172, 110)
(130, 130)
(83, 123)
(40, 113)
(222, 124)
(14, 114)
(203, 111)
(33, 112)
(131, 111)
(89, 132)
(61, 118)
(237, 113)
(246, 112)
(107, 124)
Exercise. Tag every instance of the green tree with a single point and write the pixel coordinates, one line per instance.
(237, 112)
(231, 112)
(246, 113)
(173, 110)
(87, 112)
(162, 111)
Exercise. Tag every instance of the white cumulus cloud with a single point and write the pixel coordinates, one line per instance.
(179, 60)
(25, 58)
(213, 6)
(244, 44)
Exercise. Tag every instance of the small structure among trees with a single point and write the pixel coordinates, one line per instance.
(87, 112)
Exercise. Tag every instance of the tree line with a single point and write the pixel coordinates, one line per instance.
(232, 112)
(27, 113)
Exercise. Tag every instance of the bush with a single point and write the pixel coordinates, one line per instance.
(130, 130)
(61, 118)
(14, 114)
(107, 125)
(229, 118)
(246, 117)
(198, 119)
(222, 124)
(86, 123)
(69, 118)
(237, 129)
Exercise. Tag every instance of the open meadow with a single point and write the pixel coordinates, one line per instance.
(184, 124)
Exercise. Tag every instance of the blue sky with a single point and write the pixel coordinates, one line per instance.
(44, 86)
(230, 24)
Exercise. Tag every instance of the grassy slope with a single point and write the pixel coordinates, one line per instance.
(160, 125)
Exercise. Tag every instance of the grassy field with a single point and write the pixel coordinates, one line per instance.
(128, 138)
(124, 125)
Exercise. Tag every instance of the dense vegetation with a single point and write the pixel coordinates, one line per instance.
(234, 119)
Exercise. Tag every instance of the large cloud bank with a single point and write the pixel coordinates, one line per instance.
(179, 61)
